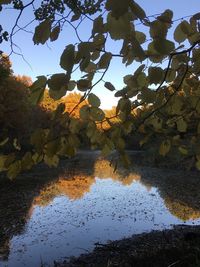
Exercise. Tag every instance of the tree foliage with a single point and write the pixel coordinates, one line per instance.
(165, 96)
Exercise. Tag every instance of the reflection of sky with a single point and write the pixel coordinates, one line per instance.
(67, 227)
(45, 59)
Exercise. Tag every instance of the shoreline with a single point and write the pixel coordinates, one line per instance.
(179, 246)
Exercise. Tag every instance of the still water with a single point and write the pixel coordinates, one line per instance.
(69, 215)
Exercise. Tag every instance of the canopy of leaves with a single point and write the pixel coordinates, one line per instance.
(169, 113)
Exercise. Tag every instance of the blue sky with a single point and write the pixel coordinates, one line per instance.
(44, 59)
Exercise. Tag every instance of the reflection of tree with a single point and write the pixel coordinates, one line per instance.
(73, 188)
(182, 210)
(179, 193)
(103, 169)
(5, 250)
(179, 190)
(75, 185)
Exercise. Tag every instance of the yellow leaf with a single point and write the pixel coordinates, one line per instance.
(27, 161)
(51, 161)
(165, 148)
(181, 125)
(198, 164)
(183, 150)
(14, 169)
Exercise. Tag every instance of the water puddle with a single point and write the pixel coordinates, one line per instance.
(69, 216)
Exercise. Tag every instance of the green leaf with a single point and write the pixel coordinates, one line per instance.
(16, 144)
(42, 32)
(74, 125)
(166, 17)
(2, 143)
(124, 105)
(5, 2)
(171, 75)
(183, 150)
(27, 161)
(93, 100)
(140, 36)
(118, 8)
(119, 28)
(85, 63)
(68, 150)
(71, 85)
(186, 27)
(37, 158)
(120, 143)
(98, 26)
(84, 112)
(139, 70)
(165, 148)
(3, 159)
(57, 81)
(138, 51)
(67, 58)
(155, 75)
(106, 150)
(75, 17)
(158, 29)
(58, 85)
(83, 85)
(142, 80)
(97, 114)
(14, 169)
(163, 46)
(109, 86)
(104, 61)
(73, 140)
(52, 148)
(51, 161)
(91, 67)
(181, 125)
(37, 139)
(156, 123)
(196, 16)
(179, 35)
(9, 160)
(137, 10)
(37, 90)
(55, 33)
(176, 106)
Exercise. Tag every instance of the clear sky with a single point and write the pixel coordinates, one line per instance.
(44, 59)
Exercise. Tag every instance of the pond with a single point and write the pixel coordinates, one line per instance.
(65, 216)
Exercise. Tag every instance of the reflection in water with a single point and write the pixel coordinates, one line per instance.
(47, 219)
(182, 210)
(77, 185)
